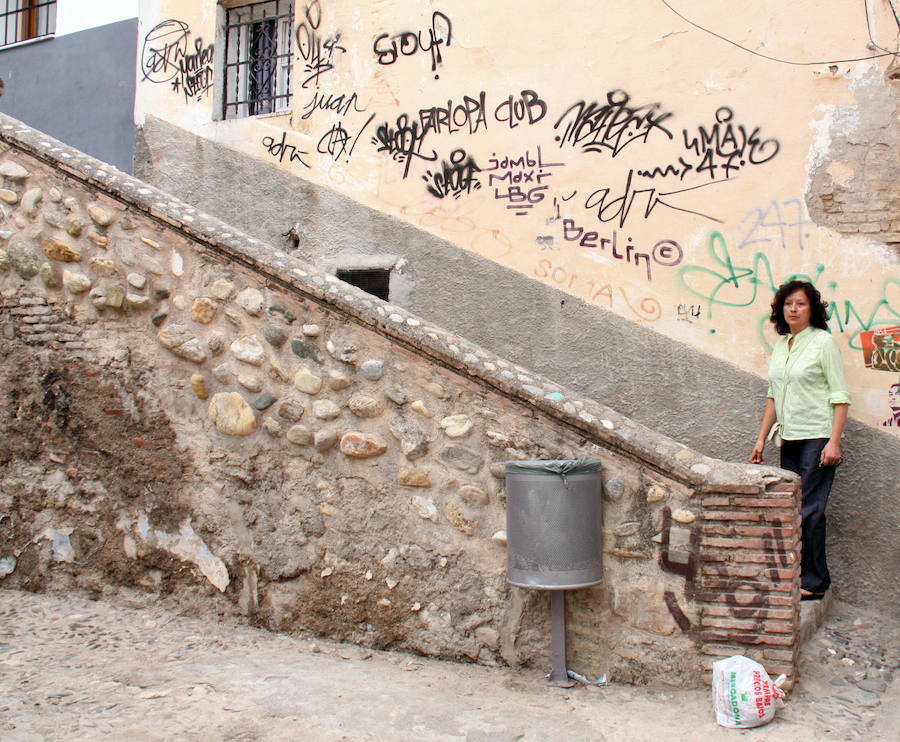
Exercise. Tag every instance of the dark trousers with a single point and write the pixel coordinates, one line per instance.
(803, 458)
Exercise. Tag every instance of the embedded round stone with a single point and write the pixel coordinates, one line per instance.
(115, 297)
(180, 341)
(291, 410)
(251, 301)
(325, 409)
(301, 435)
(102, 265)
(74, 226)
(425, 508)
(265, 401)
(304, 349)
(419, 406)
(458, 519)
(683, 516)
(324, 439)
(249, 350)
(203, 310)
(272, 427)
(362, 445)
(222, 373)
(100, 216)
(286, 313)
(628, 528)
(372, 370)
(30, 200)
(311, 331)
(274, 335)
(198, 384)
(306, 381)
(337, 380)
(99, 240)
(222, 289)
(462, 458)
(414, 478)
(250, 382)
(136, 280)
(76, 283)
(397, 396)
(49, 275)
(456, 426)
(231, 414)
(22, 259)
(13, 170)
(656, 493)
(472, 495)
(176, 265)
(58, 250)
(138, 301)
(413, 440)
(8, 196)
(215, 343)
(96, 295)
(363, 406)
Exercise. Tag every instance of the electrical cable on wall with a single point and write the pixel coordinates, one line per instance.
(886, 53)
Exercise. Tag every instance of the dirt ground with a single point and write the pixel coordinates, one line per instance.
(76, 669)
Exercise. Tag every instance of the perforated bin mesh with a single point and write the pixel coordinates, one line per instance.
(553, 527)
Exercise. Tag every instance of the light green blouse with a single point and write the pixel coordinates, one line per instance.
(805, 382)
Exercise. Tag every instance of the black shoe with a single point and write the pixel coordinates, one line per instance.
(812, 596)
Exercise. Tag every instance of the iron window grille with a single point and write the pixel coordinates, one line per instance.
(258, 58)
(23, 20)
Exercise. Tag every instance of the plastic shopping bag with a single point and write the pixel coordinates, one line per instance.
(743, 694)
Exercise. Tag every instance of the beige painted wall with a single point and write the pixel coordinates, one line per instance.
(696, 249)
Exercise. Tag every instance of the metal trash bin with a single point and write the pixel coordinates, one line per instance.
(554, 539)
(553, 524)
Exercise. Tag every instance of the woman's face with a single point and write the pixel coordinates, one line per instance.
(797, 311)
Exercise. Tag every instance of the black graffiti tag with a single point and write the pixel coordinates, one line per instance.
(280, 149)
(318, 54)
(338, 141)
(166, 57)
(455, 177)
(402, 142)
(612, 126)
(341, 104)
(389, 48)
(610, 206)
(723, 145)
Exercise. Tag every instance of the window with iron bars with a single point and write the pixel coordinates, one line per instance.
(258, 58)
(22, 20)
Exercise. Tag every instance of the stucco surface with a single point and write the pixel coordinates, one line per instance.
(698, 400)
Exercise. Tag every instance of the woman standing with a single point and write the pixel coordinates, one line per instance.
(808, 398)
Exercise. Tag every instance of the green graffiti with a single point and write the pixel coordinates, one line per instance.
(730, 284)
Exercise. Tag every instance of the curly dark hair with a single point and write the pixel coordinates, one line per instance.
(818, 308)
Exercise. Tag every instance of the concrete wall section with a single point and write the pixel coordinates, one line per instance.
(79, 88)
(704, 402)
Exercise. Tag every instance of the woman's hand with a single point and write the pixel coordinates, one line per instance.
(757, 456)
(831, 454)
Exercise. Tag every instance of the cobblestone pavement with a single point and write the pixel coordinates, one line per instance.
(76, 669)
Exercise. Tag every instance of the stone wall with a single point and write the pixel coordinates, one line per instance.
(194, 416)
